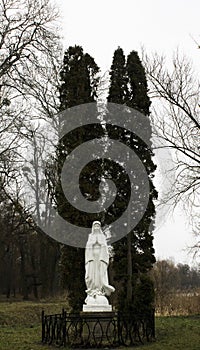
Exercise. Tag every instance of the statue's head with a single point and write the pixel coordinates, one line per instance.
(96, 226)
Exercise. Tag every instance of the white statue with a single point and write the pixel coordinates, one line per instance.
(96, 271)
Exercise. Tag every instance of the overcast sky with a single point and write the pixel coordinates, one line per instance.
(161, 26)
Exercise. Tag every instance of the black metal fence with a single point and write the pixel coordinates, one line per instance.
(87, 330)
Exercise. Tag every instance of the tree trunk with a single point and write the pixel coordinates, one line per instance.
(23, 269)
(129, 269)
(35, 285)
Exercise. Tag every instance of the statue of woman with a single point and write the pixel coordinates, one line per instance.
(96, 265)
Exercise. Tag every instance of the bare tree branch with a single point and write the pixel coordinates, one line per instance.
(175, 92)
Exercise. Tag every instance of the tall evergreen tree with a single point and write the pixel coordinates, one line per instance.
(118, 91)
(79, 83)
(134, 254)
(138, 97)
(78, 86)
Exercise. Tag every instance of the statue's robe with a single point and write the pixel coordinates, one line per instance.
(96, 264)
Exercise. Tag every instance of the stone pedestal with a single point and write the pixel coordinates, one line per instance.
(99, 327)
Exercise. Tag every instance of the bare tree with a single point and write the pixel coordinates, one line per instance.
(175, 92)
(29, 60)
(30, 55)
(27, 31)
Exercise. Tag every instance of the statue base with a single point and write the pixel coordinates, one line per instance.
(97, 303)
(97, 308)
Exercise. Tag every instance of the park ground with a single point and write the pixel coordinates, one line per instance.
(20, 328)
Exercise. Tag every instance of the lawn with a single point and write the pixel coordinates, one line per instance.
(20, 328)
(176, 333)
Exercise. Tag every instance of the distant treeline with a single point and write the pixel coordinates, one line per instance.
(169, 276)
(29, 259)
(177, 288)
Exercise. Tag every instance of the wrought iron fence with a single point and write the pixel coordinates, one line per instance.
(89, 330)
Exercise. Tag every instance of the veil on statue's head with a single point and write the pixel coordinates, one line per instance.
(94, 223)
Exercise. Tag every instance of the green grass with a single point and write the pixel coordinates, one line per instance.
(27, 312)
(21, 338)
(20, 323)
(176, 333)
(20, 328)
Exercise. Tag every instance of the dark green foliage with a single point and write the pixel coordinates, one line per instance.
(144, 295)
(118, 91)
(137, 82)
(134, 254)
(143, 301)
(78, 86)
(73, 272)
